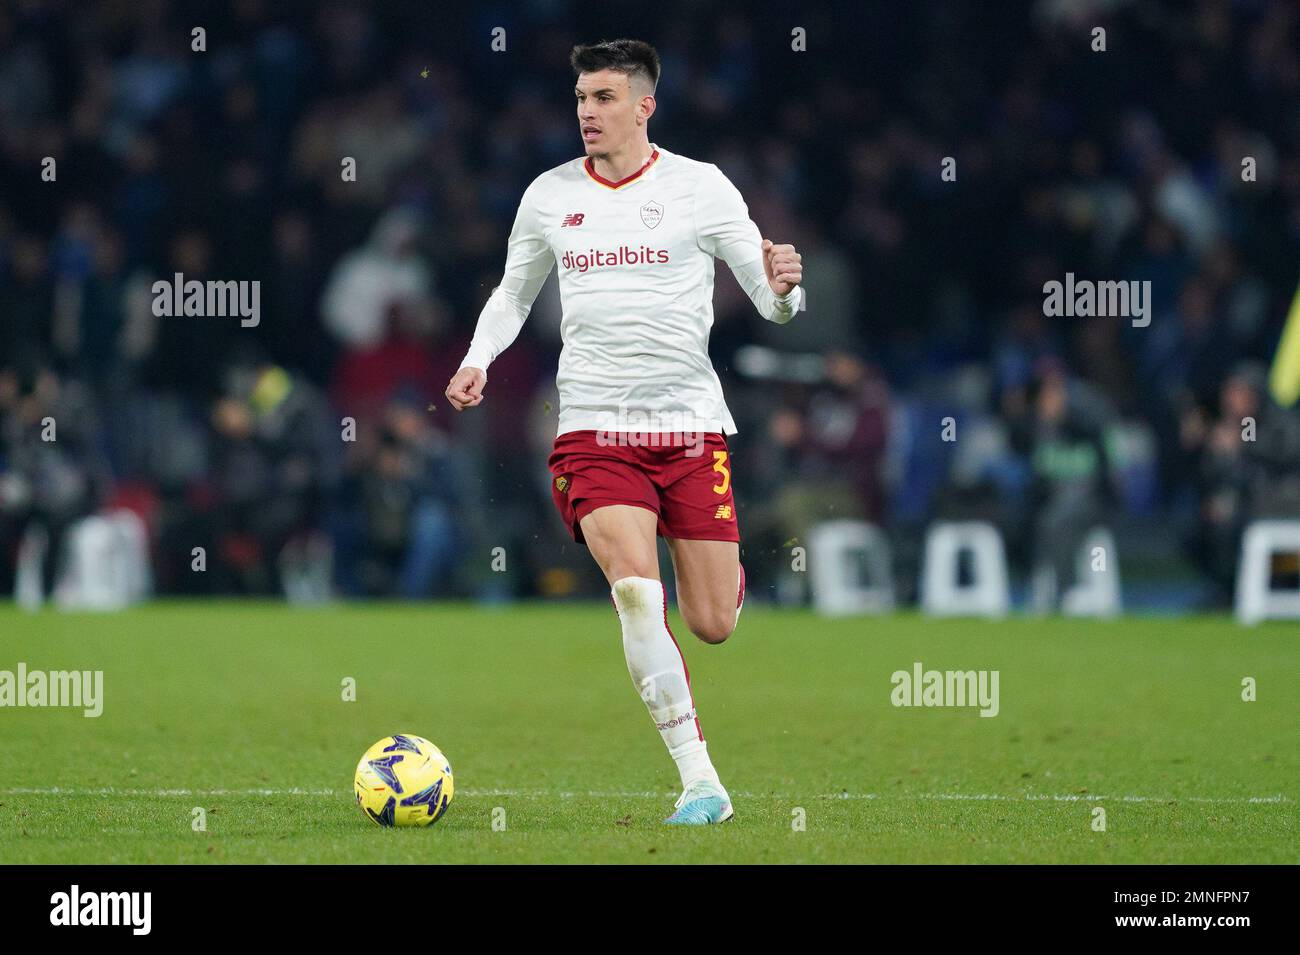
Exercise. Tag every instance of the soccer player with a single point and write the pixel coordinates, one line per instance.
(641, 448)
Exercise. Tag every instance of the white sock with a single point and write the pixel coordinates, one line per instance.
(659, 674)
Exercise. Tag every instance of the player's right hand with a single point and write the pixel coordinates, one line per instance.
(466, 388)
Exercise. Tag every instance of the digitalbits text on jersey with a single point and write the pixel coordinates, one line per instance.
(623, 255)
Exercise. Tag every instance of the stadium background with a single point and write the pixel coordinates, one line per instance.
(926, 296)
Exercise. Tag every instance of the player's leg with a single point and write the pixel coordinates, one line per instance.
(622, 540)
(710, 586)
(697, 517)
(621, 537)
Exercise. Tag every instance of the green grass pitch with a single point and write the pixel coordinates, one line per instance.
(237, 708)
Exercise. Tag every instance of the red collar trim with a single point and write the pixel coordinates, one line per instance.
(588, 165)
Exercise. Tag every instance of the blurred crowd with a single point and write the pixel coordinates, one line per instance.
(924, 381)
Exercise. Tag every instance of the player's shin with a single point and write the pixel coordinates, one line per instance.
(659, 673)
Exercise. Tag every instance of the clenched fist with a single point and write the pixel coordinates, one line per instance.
(782, 265)
(465, 389)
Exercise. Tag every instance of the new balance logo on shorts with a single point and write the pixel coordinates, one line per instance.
(723, 513)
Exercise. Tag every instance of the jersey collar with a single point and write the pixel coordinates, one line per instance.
(589, 166)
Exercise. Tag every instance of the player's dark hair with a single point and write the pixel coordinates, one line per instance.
(633, 57)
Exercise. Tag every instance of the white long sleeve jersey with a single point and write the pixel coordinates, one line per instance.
(636, 287)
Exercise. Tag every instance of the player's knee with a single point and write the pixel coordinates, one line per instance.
(714, 628)
(618, 569)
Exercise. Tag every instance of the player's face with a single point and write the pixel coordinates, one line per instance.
(607, 111)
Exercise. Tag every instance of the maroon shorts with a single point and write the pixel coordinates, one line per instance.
(687, 485)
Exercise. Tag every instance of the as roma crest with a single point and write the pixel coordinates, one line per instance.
(652, 213)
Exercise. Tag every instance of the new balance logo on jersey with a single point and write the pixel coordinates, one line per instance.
(573, 218)
(723, 513)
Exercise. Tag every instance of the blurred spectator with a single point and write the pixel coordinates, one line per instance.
(394, 527)
(50, 472)
(26, 304)
(1244, 456)
(1063, 432)
(822, 459)
(368, 283)
(272, 473)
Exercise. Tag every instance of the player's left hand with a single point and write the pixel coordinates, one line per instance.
(783, 266)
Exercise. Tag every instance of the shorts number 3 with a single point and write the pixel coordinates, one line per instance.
(720, 465)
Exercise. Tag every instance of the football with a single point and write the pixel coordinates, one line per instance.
(404, 780)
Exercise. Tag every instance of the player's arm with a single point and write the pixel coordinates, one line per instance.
(769, 273)
(528, 262)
